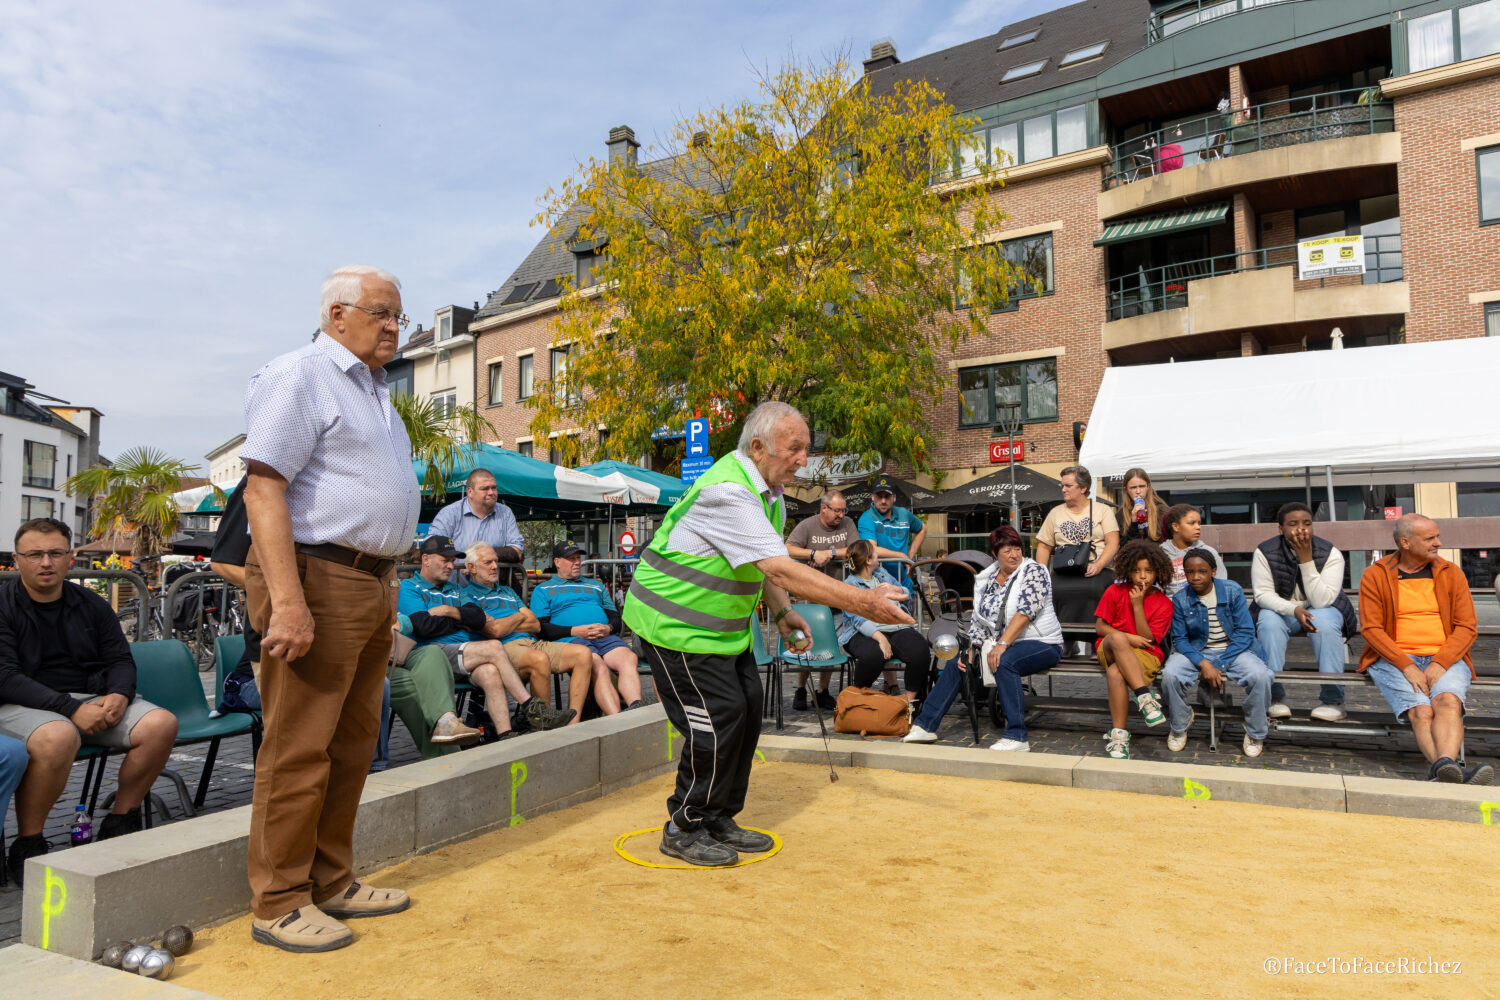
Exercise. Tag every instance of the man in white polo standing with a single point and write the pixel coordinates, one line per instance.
(717, 553)
(332, 501)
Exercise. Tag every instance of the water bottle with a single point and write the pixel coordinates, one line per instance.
(82, 831)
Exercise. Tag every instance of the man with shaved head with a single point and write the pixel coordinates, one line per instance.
(1417, 617)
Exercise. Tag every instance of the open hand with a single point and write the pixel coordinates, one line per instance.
(1137, 641)
(1416, 677)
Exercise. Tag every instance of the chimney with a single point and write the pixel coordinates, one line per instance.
(622, 145)
(882, 54)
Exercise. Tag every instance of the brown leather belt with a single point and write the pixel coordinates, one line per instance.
(376, 566)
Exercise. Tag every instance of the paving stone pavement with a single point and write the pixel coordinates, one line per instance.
(1074, 733)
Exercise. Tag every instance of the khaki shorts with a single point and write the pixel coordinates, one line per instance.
(554, 651)
(19, 723)
(1150, 665)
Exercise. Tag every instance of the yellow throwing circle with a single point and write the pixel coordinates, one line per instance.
(752, 859)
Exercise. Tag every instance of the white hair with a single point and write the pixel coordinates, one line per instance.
(761, 423)
(347, 285)
(477, 548)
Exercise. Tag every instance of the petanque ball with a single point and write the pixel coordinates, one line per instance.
(945, 646)
(132, 960)
(178, 940)
(115, 953)
(157, 964)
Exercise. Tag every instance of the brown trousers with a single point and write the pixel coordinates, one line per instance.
(322, 719)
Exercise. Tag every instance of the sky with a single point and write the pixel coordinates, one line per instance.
(176, 178)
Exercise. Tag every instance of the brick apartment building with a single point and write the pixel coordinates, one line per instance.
(1163, 160)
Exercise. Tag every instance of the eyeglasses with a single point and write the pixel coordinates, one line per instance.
(55, 555)
(382, 316)
(837, 510)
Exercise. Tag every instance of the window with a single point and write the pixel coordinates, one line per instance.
(988, 395)
(1032, 256)
(527, 382)
(35, 507)
(445, 327)
(603, 441)
(1021, 39)
(497, 384)
(39, 466)
(1487, 166)
(584, 265)
(1087, 52)
(444, 356)
(1446, 36)
(1023, 71)
(1064, 131)
(1492, 319)
(1377, 219)
(525, 448)
(559, 368)
(445, 403)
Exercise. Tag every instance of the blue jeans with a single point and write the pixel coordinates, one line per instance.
(1402, 697)
(13, 761)
(383, 745)
(1025, 657)
(1179, 674)
(1273, 630)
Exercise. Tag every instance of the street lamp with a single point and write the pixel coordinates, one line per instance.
(1010, 422)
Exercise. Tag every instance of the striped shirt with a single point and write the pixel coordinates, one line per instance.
(324, 422)
(459, 522)
(727, 519)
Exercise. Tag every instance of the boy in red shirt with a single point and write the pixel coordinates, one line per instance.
(1132, 619)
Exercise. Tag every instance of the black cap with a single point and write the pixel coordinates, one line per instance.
(566, 550)
(440, 545)
(885, 484)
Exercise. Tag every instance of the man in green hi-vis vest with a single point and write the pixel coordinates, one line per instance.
(718, 551)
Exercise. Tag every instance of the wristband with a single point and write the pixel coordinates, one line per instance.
(776, 619)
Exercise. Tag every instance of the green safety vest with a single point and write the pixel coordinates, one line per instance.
(697, 604)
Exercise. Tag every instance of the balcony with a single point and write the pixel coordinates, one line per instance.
(1275, 125)
(1189, 14)
(1162, 288)
(1246, 291)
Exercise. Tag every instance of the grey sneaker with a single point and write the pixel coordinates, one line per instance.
(543, 716)
(729, 833)
(696, 847)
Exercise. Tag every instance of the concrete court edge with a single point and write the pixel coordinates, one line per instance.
(71, 903)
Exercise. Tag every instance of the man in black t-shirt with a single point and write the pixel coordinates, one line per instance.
(67, 677)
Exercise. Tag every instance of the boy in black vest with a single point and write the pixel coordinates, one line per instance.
(1297, 582)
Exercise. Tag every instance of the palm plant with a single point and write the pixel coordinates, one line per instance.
(135, 494)
(437, 436)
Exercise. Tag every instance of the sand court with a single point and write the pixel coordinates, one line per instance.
(897, 884)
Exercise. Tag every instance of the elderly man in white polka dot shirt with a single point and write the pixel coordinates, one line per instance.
(332, 501)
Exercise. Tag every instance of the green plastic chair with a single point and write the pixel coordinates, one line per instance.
(167, 676)
(825, 654)
(227, 652)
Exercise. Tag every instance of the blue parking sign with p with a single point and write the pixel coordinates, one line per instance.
(697, 437)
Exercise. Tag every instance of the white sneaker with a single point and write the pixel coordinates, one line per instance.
(1118, 746)
(1252, 746)
(1150, 709)
(1176, 741)
(1278, 710)
(1329, 713)
(1013, 746)
(919, 735)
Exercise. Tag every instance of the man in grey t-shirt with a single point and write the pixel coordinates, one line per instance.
(821, 541)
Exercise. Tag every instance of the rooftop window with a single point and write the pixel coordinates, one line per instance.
(1021, 39)
(1025, 70)
(1087, 52)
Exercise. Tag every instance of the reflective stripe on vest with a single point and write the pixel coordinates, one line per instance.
(697, 604)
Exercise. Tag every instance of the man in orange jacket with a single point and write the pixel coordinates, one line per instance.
(1417, 618)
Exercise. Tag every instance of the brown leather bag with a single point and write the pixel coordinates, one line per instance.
(871, 713)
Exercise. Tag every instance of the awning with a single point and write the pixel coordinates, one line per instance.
(992, 492)
(1168, 222)
(1422, 405)
(645, 486)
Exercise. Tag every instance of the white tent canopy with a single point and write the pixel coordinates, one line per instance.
(1432, 404)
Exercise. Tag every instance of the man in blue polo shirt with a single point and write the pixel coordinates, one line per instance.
(573, 609)
(896, 531)
(519, 632)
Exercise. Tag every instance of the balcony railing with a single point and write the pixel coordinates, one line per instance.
(1287, 122)
(1155, 289)
(1191, 13)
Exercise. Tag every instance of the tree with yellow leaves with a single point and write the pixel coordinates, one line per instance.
(807, 247)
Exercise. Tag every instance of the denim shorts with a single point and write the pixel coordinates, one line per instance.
(1402, 697)
(606, 644)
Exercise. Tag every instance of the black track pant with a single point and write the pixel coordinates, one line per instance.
(714, 701)
(908, 646)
